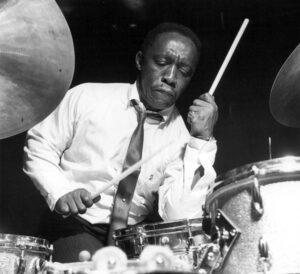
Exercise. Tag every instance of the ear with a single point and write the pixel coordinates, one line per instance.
(139, 60)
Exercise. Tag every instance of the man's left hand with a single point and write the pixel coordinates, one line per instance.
(202, 116)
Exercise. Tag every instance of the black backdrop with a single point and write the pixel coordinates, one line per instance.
(106, 36)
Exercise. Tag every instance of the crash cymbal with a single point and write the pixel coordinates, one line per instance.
(285, 92)
(36, 62)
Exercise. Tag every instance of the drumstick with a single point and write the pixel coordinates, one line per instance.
(130, 170)
(228, 56)
(270, 148)
(127, 172)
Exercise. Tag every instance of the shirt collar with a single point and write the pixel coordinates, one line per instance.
(133, 94)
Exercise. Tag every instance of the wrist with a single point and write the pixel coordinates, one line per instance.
(205, 138)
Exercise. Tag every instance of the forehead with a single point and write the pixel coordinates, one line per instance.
(173, 43)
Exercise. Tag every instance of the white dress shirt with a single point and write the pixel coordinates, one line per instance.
(83, 144)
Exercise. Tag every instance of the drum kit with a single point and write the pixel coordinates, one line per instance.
(250, 223)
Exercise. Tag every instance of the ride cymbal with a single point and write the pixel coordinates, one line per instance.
(36, 62)
(285, 93)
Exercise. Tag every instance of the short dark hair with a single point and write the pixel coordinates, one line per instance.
(167, 27)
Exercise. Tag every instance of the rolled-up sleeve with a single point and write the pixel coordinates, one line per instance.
(184, 189)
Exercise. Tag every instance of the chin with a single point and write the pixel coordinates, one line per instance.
(163, 107)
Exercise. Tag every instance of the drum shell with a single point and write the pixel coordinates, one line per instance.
(279, 187)
(17, 248)
(178, 235)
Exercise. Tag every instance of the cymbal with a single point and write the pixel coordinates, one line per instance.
(285, 93)
(36, 62)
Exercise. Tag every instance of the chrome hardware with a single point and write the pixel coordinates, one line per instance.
(223, 234)
(259, 171)
(264, 261)
(165, 240)
(40, 265)
(257, 202)
(140, 239)
(22, 263)
(190, 237)
(210, 258)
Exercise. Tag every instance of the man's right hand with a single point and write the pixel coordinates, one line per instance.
(74, 202)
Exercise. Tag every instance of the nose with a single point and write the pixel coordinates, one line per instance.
(169, 76)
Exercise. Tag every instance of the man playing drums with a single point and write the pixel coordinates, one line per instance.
(84, 144)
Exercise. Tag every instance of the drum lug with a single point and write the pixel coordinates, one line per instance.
(140, 239)
(264, 261)
(190, 237)
(22, 263)
(257, 201)
(50, 250)
(40, 265)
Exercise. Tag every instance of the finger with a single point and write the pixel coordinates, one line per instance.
(200, 112)
(81, 208)
(194, 108)
(80, 204)
(86, 198)
(72, 206)
(202, 103)
(207, 97)
(199, 102)
(62, 208)
(192, 116)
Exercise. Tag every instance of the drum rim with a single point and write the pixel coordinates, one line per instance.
(30, 243)
(269, 171)
(283, 165)
(159, 226)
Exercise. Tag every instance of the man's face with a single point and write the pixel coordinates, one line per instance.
(166, 69)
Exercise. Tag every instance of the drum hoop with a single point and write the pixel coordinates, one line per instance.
(183, 225)
(174, 230)
(28, 243)
(246, 183)
(173, 224)
(288, 167)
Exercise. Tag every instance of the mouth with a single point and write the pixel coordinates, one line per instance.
(165, 91)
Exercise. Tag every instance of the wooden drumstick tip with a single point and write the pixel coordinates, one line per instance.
(84, 256)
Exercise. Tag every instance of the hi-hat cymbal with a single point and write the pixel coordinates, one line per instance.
(36, 62)
(285, 92)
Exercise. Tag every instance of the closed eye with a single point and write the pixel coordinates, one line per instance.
(186, 71)
(161, 61)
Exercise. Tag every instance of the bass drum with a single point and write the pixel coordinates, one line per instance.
(23, 254)
(263, 201)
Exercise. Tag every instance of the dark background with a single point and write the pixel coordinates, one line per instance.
(106, 37)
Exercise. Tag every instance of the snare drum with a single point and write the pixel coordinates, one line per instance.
(22, 254)
(178, 235)
(263, 201)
